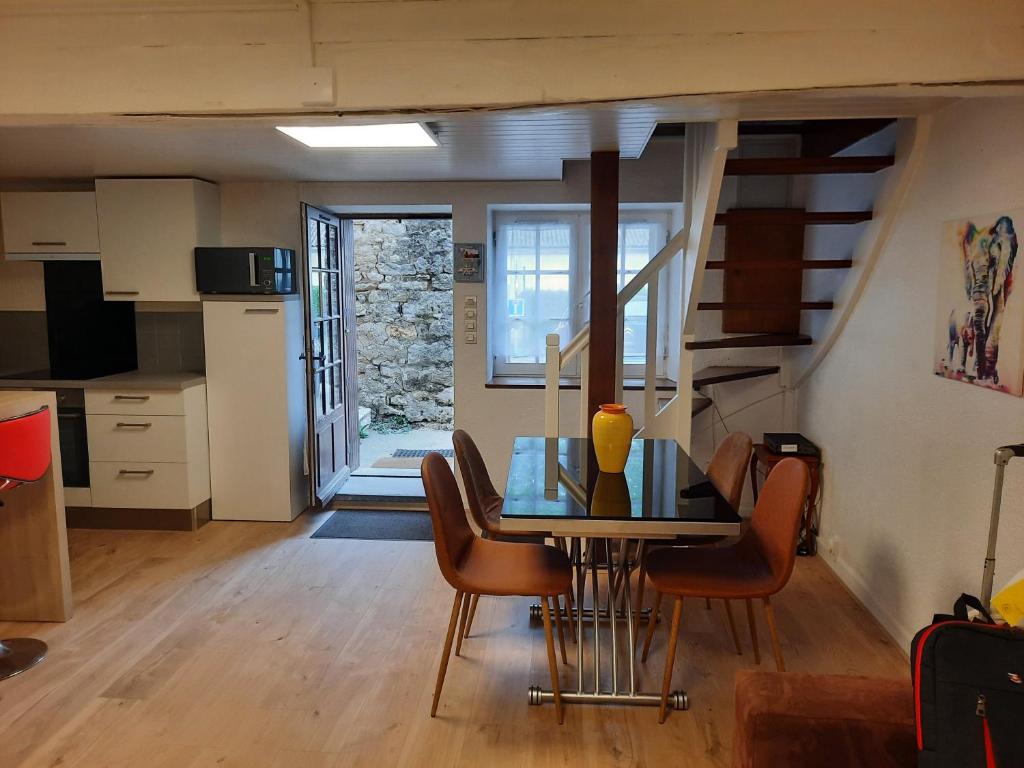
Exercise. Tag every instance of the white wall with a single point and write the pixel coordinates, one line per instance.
(254, 213)
(908, 456)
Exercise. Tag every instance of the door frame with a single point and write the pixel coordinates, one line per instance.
(320, 497)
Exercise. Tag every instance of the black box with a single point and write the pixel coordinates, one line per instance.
(790, 443)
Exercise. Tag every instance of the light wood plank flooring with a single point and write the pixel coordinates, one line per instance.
(250, 644)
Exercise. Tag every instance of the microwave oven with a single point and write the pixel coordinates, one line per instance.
(246, 270)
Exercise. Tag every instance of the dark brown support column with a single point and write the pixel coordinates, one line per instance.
(604, 235)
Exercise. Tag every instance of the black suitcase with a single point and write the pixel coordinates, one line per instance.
(969, 691)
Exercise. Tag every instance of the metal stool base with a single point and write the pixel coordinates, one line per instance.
(18, 654)
(676, 700)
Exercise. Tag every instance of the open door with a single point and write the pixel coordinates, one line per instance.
(330, 355)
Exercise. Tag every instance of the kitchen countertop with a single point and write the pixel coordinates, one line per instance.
(132, 380)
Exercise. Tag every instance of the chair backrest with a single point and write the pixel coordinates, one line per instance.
(728, 467)
(452, 534)
(480, 491)
(24, 448)
(776, 518)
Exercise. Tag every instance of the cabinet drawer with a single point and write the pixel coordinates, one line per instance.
(136, 438)
(139, 485)
(128, 402)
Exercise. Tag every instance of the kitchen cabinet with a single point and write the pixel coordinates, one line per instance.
(149, 450)
(256, 384)
(148, 229)
(56, 223)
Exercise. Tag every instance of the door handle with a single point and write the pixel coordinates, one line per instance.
(260, 311)
(139, 398)
(140, 424)
(145, 472)
(49, 242)
(319, 358)
(121, 293)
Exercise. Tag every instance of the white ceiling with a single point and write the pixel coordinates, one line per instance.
(520, 144)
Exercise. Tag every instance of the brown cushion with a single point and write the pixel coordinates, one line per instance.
(728, 572)
(830, 721)
(505, 568)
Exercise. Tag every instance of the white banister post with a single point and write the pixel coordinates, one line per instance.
(552, 374)
(620, 335)
(651, 355)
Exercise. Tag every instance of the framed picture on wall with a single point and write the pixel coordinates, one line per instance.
(469, 262)
(980, 327)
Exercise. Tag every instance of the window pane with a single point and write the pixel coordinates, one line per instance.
(313, 230)
(638, 250)
(522, 249)
(554, 248)
(535, 308)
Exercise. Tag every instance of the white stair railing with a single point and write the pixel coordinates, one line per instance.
(707, 146)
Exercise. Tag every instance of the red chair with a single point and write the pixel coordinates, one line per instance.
(24, 458)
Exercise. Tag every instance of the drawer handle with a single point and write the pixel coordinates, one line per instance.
(146, 472)
(138, 398)
(139, 424)
(49, 242)
(255, 311)
(121, 293)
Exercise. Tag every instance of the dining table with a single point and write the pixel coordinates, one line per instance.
(609, 519)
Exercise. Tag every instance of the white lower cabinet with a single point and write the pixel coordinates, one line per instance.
(148, 449)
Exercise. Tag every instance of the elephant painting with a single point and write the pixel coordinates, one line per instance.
(973, 321)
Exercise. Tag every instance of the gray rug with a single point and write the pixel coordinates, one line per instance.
(365, 524)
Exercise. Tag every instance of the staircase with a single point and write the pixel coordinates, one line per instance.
(762, 303)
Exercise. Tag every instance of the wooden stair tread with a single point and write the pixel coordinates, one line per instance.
(811, 218)
(719, 374)
(699, 405)
(780, 264)
(756, 340)
(720, 305)
(784, 166)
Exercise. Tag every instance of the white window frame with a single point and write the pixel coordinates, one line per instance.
(579, 282)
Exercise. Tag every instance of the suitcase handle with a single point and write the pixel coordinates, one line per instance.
(966, 601)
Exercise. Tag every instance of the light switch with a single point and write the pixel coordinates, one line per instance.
(471, 314)
(471, 325)
(471, 338)
(470, 302)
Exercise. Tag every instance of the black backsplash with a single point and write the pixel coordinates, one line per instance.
(88, 337)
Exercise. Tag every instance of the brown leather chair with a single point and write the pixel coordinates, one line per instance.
(757, 566)
(727, 471)
(478, 566)
(485, 508)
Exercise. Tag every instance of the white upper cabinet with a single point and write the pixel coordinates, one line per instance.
(148, 230)
(49, 223)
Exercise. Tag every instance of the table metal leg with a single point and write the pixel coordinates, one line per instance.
(618, 577)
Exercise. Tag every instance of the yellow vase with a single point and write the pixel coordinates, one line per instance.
(611, 496)
(613, 433)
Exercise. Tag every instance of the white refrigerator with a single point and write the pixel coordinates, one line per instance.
(256, 388)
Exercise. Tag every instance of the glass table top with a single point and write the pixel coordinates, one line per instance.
(661, 490)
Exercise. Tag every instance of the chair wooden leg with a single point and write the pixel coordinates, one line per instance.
(462, 624)
(707, 603)
(552, 664)
(651, 624)
(570, 615)
(472, 613)
(732, 628)
(443, 667)
(559, 627)
(670, 658)
(780, 665)
(753, 630)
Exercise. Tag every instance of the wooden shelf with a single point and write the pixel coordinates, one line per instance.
(812, 218)
(779, 264)
(785, 166)
(752, 305)
(719, 374)
(757, 340)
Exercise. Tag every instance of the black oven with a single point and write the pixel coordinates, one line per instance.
(74, 445)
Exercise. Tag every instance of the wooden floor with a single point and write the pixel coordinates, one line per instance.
(250, 644)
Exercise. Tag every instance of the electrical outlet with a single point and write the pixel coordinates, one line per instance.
(832, 547)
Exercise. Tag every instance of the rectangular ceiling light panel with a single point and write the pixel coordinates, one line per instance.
(361, 136)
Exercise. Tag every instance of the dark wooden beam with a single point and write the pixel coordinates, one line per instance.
(764, 306)
(604, 237)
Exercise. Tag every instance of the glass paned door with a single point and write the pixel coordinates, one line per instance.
(327, 360)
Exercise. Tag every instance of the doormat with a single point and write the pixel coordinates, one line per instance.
(419, 453)
(385, 525)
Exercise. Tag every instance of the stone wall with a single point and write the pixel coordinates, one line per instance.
(404, 319)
